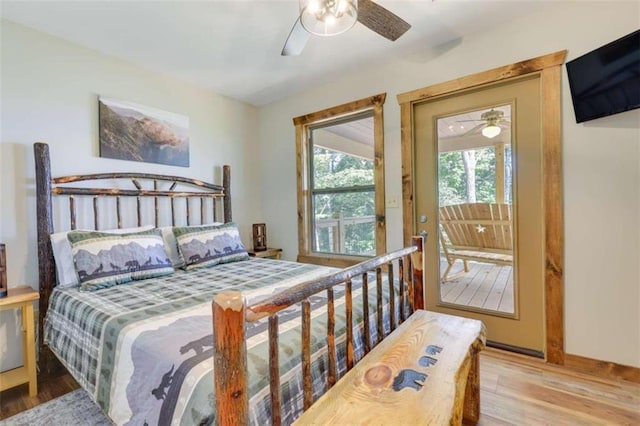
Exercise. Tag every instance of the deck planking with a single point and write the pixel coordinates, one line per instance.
(485, 286)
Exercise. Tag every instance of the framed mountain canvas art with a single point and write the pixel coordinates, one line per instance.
(138, 133)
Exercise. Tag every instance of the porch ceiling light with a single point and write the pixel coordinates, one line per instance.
(328, 17)
(491, 131)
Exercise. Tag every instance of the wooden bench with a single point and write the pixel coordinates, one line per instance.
(425, 372)
(481, 232)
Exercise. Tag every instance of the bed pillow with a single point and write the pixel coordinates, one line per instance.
(63, 257)
(171, 246)
(104, 260)
(209, 245)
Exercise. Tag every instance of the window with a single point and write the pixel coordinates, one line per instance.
(341, 183)
(341, 160)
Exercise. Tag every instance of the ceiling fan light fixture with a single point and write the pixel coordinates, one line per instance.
(328, 17)
(491, 131)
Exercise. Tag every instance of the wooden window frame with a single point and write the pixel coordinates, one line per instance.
(302, 124)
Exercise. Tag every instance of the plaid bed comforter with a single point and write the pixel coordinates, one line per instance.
(144, 351)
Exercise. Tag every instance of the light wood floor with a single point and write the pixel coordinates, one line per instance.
(519, 390)
(485, 286)
(514, 390)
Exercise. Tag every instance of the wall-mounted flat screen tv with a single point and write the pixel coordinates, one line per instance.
(606, 81)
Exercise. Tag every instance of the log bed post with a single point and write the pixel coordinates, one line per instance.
(47, 277)
(230, 359)
(226, 183)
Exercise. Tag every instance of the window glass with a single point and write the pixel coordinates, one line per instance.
(343, 187)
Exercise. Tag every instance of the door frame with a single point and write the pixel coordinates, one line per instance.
(549, 68)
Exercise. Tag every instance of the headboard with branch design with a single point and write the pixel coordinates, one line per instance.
(203, 203)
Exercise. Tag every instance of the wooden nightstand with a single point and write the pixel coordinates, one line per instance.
(271, 253)
(22, 297)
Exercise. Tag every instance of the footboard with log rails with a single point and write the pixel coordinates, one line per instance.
(231, 314)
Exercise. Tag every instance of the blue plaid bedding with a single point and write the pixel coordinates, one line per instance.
(144, 351)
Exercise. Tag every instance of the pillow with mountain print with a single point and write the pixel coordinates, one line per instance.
(63, 257)
(103, 260)
(209, 245)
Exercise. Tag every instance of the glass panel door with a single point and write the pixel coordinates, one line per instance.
(478, 194)
(475, 212)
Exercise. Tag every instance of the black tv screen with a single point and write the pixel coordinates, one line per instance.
(607, 80)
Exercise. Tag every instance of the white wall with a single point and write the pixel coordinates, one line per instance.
(601, 163)
(49, 93)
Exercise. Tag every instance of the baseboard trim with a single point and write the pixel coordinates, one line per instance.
(600, 368)
(516, 349)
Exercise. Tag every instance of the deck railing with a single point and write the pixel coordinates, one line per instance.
(338, 241)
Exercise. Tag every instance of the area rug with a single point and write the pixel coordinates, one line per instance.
(74, 408)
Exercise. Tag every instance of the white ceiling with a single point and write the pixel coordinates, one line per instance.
(469, 123)
(464, 131)
(360, 130)
(233, 47)
(455, 132)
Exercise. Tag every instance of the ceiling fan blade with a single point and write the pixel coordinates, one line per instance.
(474, 129)
(380, 20)
(296, 41)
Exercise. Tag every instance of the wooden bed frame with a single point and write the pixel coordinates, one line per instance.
(230, 310)
(231, 313)
(161, 187)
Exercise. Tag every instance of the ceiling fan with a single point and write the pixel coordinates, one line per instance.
(493, 122)
(332, 17)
